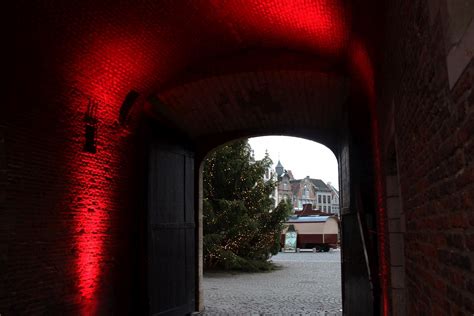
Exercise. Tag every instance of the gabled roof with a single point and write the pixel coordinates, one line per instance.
(295, 186)
(317, 183)
(330, 186)
(290, 174)
(320, 185)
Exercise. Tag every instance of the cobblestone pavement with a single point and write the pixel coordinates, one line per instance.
(305, 284)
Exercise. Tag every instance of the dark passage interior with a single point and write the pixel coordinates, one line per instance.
(111, 107)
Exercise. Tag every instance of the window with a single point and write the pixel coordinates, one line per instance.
(329, 208)
(324, 199)
(324, 208)
(329, 199)
(305, 192)
(284, 185)
(319, 198)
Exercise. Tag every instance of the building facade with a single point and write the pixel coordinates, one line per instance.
(334, 199)
(322, 197)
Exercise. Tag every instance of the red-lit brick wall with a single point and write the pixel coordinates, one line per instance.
(68, 216)
(68, 213)
(434, 128)
(67, 219)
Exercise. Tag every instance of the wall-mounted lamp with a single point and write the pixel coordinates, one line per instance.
(90, 120)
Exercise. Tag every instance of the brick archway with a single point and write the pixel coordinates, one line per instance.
(208, 71)
(81, 76)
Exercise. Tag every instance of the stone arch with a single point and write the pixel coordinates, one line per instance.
(90, 55)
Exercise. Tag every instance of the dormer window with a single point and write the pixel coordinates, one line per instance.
(305, 192)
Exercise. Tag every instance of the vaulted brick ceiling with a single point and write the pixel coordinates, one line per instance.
(254, 103)
(258, 67)
(250, 65)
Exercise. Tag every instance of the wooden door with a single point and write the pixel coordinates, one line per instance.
(171, 230)
(359, 282)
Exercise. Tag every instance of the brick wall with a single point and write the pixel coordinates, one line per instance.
(63, 223)
(67, 214)
(434, 128)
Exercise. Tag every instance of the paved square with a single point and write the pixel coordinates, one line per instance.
(306, 284)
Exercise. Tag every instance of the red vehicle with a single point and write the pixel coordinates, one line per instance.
(313, 232)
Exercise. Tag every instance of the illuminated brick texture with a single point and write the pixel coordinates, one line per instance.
(218, 70)
(68, 209)
(434, 128)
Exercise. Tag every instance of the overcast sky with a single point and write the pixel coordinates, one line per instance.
(303, 157)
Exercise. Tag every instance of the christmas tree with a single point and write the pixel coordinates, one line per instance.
(241, 226)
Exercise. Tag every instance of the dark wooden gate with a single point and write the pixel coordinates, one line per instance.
(171, 229)
(359, 278)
